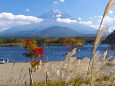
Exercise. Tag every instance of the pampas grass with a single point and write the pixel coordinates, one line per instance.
(100, 35)
(110, 4)
(69, 62)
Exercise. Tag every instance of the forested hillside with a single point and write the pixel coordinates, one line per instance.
(111, 38)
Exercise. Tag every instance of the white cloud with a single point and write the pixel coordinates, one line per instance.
(27, 10)
(58, 15)
(95, 21)
(8, 20)
(79, 18)
(111, 29)
(95, 18)
(66, 20)
(56, 2)
(94, 26)
(89, 23)
(110, 12)
(86, 22)
(108, 19)
(61, 0)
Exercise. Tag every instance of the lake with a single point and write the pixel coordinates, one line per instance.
(51, 53)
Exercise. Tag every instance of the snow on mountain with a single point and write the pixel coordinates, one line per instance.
(54, 14)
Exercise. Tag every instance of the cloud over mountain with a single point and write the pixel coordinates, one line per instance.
(28, 25)
(61, 0)
(8, 20)
(58, 1)
(66, 20)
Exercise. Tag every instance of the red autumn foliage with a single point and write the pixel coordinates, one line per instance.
(34, 51)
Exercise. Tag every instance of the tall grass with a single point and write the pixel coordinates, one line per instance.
(109, 5)
(100, 35)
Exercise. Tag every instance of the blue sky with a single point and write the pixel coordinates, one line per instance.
(21, 12)
(76, 8)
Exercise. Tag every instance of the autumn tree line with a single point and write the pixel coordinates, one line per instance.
(62, 41)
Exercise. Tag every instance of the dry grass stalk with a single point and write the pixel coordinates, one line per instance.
(104, 55)
(99, 36)
(113, 84)
(97, 57)
(72, 53)
(91, 73)
(97, 42)
(66, 61)
(112, 79)
(103, 62)
(110, 4)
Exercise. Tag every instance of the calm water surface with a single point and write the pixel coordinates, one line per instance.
(51, 53)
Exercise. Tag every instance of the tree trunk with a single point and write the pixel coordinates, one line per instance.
(31, 79)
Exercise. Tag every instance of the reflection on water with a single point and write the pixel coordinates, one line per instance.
(51, 53)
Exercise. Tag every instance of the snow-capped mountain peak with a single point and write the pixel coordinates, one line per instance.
(57, 11)
(54, 14)
(57, 21)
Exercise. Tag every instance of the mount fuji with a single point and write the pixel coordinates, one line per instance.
(56, 23)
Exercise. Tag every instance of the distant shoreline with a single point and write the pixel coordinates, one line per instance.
(58, 41)
(12, 45)
(22, 45)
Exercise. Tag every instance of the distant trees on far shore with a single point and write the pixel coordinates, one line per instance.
(58, 41)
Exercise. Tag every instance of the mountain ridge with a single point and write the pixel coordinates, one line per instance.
(50, 21)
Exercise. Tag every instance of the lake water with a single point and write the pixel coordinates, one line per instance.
(51, 53)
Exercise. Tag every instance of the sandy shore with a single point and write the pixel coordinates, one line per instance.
(10, 73)
(13, 74)
(18, 73)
